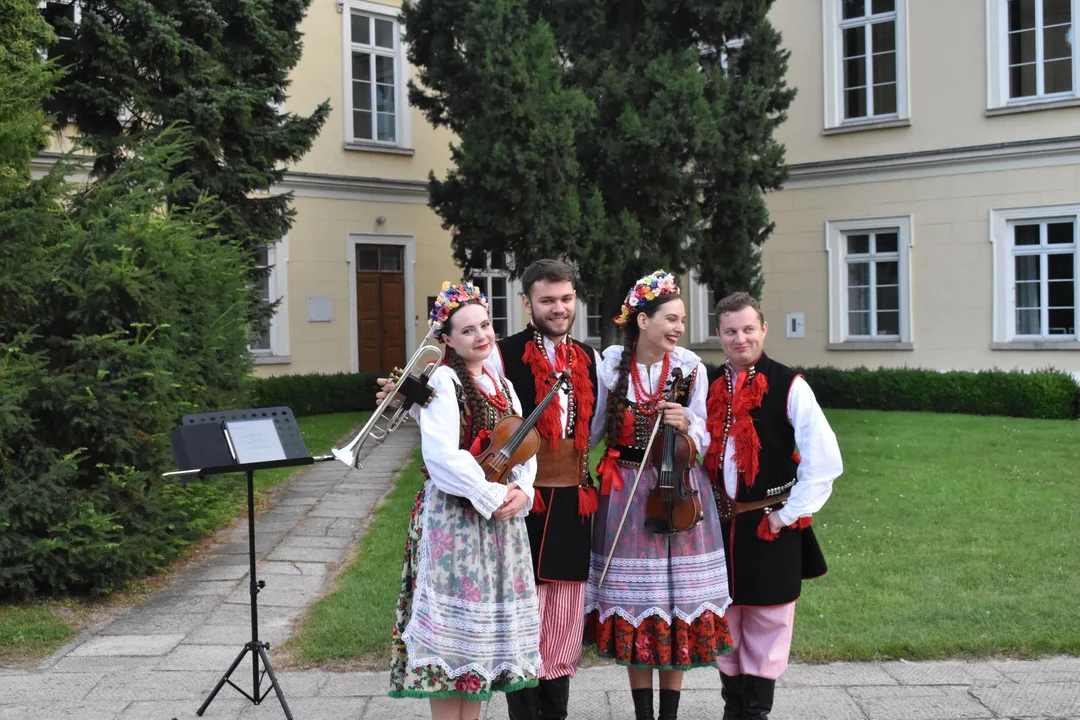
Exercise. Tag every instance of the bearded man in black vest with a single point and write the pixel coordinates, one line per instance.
(559, 525)
(772, 460)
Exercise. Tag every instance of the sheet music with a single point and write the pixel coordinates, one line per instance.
(255, 440)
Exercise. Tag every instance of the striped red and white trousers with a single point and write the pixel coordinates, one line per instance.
(562, 627)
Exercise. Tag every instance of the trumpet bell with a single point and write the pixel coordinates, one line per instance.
(410, 388)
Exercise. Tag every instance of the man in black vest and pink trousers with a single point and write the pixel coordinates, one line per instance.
(772, 460)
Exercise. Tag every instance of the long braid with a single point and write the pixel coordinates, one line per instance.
(472, 393)
(617, 402)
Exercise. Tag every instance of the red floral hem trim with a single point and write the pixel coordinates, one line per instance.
(656, 644)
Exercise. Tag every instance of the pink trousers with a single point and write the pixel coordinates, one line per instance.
(562, 627)
(762, 637)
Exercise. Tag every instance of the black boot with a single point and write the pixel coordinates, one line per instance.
(733, 696)
(758, 697)
(643, 707)
(669, 705)
(554, 697)
(524, 704)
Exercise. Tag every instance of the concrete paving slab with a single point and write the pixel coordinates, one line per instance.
(838, 674)
(104, 664)
(223, 708)
(810, 703)
(287, 567)
(207, 658)
(1051, 699)
(953, 704)
(945, 672)
(143, 622)
(81, 711)
(128, 645)
(47, 688)
(306, 554)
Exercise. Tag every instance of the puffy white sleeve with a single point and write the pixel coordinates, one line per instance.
(695, 410)
(599, 418)
(453, 470)
(820, 462)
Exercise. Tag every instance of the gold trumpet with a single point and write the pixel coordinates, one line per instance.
(413, 389)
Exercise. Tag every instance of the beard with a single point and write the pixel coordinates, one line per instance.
(547, 328)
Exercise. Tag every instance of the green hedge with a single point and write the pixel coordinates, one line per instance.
(317, 394)
(1044, 394)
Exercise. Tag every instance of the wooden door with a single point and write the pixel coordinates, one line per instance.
(380, 308)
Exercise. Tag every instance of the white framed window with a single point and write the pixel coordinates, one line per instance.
(501, 292)
(273, 341)
(870, 280)
(703, 319)
(376, 108)
(587, 323)
(1030, 51)
(866, 62)
(1035, 274)
(56, 12)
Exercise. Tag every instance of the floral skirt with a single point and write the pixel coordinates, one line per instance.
(663, 599)
(456, 537)
(658, 644)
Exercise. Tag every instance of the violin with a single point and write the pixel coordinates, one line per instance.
(673, 505)
(514, 439)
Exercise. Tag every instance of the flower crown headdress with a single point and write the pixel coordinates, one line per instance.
(647, 288)
(450, 298)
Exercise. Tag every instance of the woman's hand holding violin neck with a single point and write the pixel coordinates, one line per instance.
(675, 416)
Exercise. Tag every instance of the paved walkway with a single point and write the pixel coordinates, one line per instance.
(161, 660)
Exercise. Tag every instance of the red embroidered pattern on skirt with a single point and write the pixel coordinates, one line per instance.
(656, 644)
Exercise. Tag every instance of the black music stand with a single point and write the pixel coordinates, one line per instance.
(242, 441)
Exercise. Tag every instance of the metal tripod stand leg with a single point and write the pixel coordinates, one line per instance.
(254, 646)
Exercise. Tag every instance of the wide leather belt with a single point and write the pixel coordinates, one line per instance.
(728, 508)
(558, 468)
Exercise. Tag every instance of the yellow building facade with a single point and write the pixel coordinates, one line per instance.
(930, 218)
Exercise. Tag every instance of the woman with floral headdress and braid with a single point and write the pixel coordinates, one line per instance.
(662, 604)
(467, 620)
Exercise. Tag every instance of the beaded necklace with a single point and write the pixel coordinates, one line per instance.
(499, 401)
(648, 401)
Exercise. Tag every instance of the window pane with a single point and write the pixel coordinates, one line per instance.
(592, 325)
(1060, 294)
(858, 299)
(1021, 14)
(1025, 234)
(262, 256)
(858, 274)
(853, 9)
(498, 287)
(1056, 42)
(855, 72)
(361, 66)
(1027, 268)
(1059, 232)
(885, 99)
(1056, 12)
(368, 257)
(1022, 47)
(858, 323)
(886, 242)
(1060, 266)
(384, 34)
(387, 128)
(384, 69)
(362, 125)
(888, 323)
(1057, 76)
(883, 37)
(1062, 321)
(855, 103)
(888, 298)
(887, 273)
(858, 244)
(361, 95)
(1027, 322)
(498, 308)
(854, 42)
(882, 6)
(361, 29)
(390, 259)
(885, 67)
(1022, 81)
(384, 98)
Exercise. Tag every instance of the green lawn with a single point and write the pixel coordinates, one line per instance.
(946, 535)
(34, 630)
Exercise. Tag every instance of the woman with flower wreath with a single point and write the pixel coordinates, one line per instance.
(467, 620)
(663, 600)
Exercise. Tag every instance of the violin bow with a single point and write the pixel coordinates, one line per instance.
(675, 377)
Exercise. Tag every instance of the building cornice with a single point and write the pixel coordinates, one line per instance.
(348, 187)
(930, 163)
